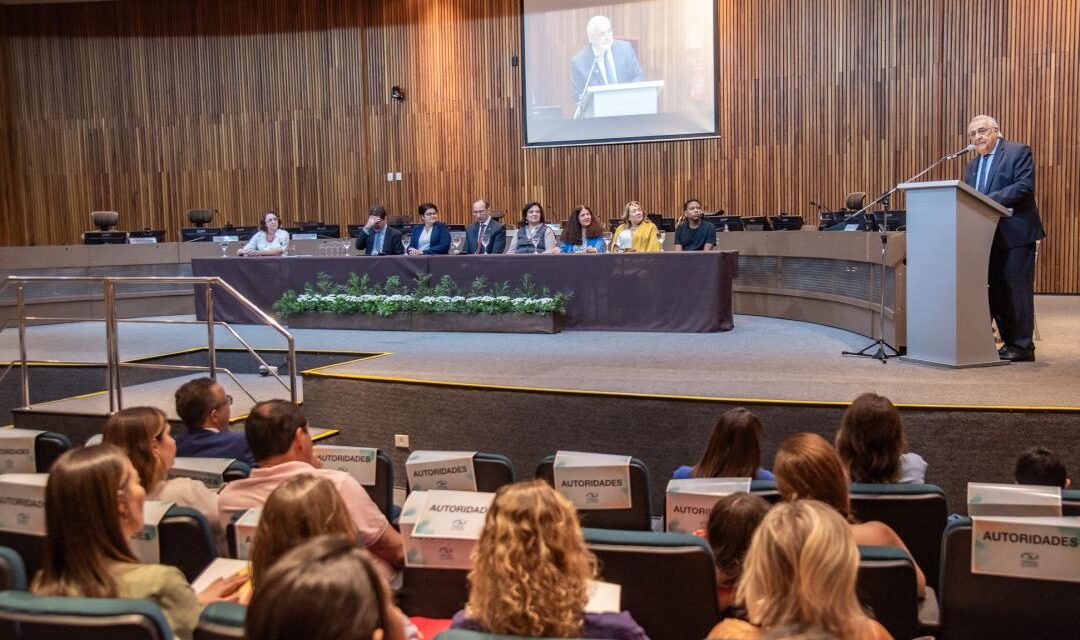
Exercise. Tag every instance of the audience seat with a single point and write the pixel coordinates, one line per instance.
(237, 470)
(983, 606)
(1070, 502)
(12, 571)
(221, 621)
(27, 547)
(187, 542)
(382, 492)
(433, 593)
(766, 489)
(27, 617)
(492, 471)
(917, 512)
(637, 518)
(49, 446)
(887, 586)
(668, 580)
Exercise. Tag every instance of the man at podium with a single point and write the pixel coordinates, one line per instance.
(1005, 172)
(603, 61)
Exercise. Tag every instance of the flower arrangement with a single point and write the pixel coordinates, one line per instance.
(360, 295)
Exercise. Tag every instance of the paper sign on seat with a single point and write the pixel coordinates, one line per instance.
(17, 450)
(1026, 547)
(146, 542)
(989, 499)
(358, 462)
(593, 480)
(209, 471)
(690, 501)
(22, 503)
(448, 527)
(441, 471)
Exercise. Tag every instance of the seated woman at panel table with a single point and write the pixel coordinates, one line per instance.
(93, 505)
(531, 572)
(872, 445)
(734, 449)
(801, 569)
(431, 238)
(694, 233)
(533, 235)
(270, 240)
(635, 233)
(583, 233)
(144, 434)
(807, 467)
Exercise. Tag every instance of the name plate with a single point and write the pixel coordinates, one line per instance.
(448, 526)
(358, 462)
(441, 471)
(989, 499)
(209, 471)
(305, 236)
(226, 238)
(138, 240)
(146, 542)
(593, 480)
(690, 501)
(22, 503)
(245, 532)
(17, 450)
(1025, 547)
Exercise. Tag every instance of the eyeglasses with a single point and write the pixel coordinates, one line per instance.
(228, 400)
(981, 132)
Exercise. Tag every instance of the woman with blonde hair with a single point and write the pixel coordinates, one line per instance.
(636, 233)
(532, 570)
(807, 467)
(801, 569)
(145, 436)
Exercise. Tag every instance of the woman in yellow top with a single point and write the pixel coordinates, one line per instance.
(635, 233)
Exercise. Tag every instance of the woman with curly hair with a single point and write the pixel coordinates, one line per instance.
(531, 572)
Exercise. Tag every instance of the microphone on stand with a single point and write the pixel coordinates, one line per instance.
(588, 79)
(957, 154)
(819, 207)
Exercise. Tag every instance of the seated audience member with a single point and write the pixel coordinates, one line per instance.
(734, 449)
(144, 435)
(1041, 466)
(798, 632)
(270, 240)
(533, 234)
(801, 569)
(205, 409)
(694, 233)
(328, 589)
(432, 237)
(635, 233)
(531, 571)
(583, 233)
(808, 468)
(484, 226)
(376, 238)
(732, 523)
(872, 445)
(278, 436)
(93, 505)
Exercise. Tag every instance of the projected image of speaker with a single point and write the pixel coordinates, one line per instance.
(756, 223)
(896, 220)
(785, 222)
(726, 223)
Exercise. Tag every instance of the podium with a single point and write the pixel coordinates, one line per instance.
(950, 227)
(626, 99)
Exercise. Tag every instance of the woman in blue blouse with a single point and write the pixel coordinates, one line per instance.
(433, 237)
(584, 233)
(734, 450)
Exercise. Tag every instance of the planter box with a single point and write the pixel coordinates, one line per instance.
(461, 322)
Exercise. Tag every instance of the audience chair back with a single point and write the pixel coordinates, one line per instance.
(917, 512)
(382, 492)
(888, 588)
(766, 489)
(237, 470)
(221, 621)
(983, 606)
(28, 617)
(27, 547)
(1070, 502)
(12, 571)
(668, 580)
(492, 471)
(637, 518)
(433, 593)
(187, 542)
(49, 446)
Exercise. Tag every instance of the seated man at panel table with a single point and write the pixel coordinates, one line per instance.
(205, 409)
(484, 227)
(377, 238)
(277, 433)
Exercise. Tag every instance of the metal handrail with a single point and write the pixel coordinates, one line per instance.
(113, 362)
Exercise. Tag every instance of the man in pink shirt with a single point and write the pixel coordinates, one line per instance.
(277, 434)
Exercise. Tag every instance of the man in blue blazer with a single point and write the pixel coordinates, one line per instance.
(484, 227)
(206, 409)
(376, 238)
(604, 60)
(1005, 172)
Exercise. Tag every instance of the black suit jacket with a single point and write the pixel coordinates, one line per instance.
(1011, 183)
(496, 233)
(391, 245)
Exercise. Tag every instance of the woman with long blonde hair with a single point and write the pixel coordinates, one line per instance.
(532, 570)
(801, 570)
(636, 233)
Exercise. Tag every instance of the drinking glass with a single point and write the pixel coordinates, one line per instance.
(405, 244)
(224, 249)
(607, 240)
(661, 237)
(484, 240)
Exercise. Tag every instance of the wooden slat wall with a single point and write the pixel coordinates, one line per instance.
(152, 108)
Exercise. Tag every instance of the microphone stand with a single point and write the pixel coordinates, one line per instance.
(883, 348)
(588, 79)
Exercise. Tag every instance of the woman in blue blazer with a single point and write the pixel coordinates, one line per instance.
(433, 237)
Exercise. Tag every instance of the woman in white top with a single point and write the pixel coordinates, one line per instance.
(430, 238)
(534, 235)
(635, 233)
(271, 240)
(144, 435)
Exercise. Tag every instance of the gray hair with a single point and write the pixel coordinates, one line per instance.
(598, 24)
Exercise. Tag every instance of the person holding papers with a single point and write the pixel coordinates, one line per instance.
(584, 233)
(270, 240)
(693, 233)
(145, 436)
(93, 506)
(376, 238)
(636, 233)
(532, 570)
(603, 61)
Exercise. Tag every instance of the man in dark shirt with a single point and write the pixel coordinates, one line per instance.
(205, 409)
(694, 234)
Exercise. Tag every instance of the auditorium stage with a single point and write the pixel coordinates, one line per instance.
(652, 395)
